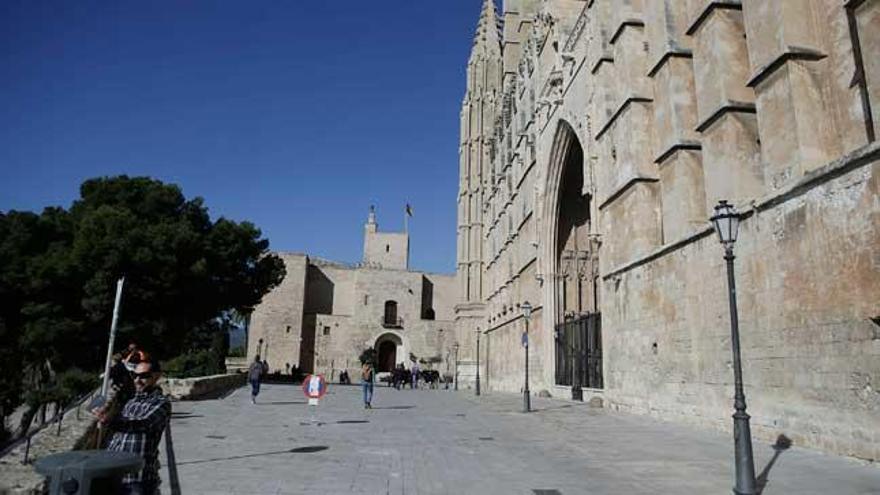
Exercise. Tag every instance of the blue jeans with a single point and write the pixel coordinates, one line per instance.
(368, 391)
(255, 388)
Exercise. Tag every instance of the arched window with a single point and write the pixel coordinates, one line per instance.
(390, 318)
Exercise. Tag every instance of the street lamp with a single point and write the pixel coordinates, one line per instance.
(455, 375)
(527, 314)
(726, 222)
(478, 361)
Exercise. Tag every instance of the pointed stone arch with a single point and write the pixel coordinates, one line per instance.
(565, 142)
(568, 255)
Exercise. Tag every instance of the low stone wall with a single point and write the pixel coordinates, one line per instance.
(201, 387)
(236, 364)
(21, 479)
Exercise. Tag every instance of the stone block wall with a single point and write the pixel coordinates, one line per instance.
(278, 320)
(676, 105)
(201, 386)
(807, 290)
(387, 250)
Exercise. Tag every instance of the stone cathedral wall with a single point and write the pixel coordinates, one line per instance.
(677, 104)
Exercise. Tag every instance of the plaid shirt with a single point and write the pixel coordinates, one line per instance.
(138, 429)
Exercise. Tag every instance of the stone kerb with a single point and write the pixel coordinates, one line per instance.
(201, 386)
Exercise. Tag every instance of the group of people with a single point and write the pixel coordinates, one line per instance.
(400, 376)
(136, 417)
(344, 379)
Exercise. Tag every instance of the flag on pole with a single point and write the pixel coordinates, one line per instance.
(409, 210)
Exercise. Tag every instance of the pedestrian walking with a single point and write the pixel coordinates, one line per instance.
(399, 374)
(415, 376)
(138, 427)
(255, 376)
(367, 380)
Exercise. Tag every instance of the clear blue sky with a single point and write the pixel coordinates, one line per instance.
(295, 115)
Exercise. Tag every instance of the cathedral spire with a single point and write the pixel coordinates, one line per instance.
(488, 26)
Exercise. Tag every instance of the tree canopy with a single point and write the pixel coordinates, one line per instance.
(183, 270)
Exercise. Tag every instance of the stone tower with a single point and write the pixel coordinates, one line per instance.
(478, 114)
(388, 250)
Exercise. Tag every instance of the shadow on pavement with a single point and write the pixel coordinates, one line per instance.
(215, 395)
(185, 415)
(782, 444)
(299, 450)
(582, 405)
(281, 403)
(351, 421)
(395, 407)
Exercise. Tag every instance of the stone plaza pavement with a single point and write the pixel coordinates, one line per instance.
(445, 442)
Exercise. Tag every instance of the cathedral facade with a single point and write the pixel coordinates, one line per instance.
(325, 314)
(596, 138)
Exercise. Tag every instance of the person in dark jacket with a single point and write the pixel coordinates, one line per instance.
(255, 376)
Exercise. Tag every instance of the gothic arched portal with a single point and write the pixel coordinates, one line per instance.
(571, 261)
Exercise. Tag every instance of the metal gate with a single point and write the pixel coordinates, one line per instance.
(579, 352)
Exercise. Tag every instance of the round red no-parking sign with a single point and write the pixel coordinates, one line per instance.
(314, 386)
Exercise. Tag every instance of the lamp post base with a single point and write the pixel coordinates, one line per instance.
(745, 465)
(527, 402)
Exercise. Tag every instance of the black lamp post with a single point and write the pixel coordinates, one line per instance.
(478, 361)
(527, 314)
(455, 375)
(726, 222)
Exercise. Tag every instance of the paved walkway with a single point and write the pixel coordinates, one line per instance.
(444, 442)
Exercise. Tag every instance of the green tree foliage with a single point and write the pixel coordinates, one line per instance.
(183, 272)
(369, 355)
(181, 269)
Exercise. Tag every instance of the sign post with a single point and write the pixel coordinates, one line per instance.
(314, 387)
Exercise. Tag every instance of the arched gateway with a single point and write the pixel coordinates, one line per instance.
(571, 259)
(389, 350)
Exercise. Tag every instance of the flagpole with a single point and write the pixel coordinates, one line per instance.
(105, 384)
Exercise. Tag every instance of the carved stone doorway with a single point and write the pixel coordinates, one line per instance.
(387, 355)
(572, 263)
